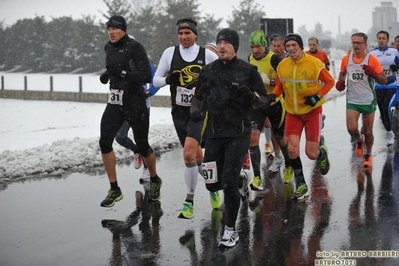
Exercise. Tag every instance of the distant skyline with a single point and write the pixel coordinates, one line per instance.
(354, 14)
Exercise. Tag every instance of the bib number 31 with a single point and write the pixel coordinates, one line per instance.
(210, 172)
(115, 97)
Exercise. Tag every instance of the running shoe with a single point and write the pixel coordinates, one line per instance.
(277, 163)
(112, 197)
(390, 138)
(138, 161)
(268, 148)
(288, 175)
(215, 200)
(324, 163)
(229, 238)
(256, 184)
(243, 185)
(368, 160)
(155, 190)
(187, 212)
(360, 147)
(301, 192)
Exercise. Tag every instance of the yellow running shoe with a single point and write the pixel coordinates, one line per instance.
(215, 199)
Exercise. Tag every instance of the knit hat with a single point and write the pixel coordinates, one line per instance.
(212, 46)
(187, 23)
(257, 38)
(229, 35)
(294, 37)
(117, 21)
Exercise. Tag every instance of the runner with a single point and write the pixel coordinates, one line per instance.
(228, 90)
(266, 62)
(387, 57)
(362, 69)
(126, 71)
(304, 81)
(179, 67)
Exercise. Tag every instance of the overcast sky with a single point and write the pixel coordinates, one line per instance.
(353, 13)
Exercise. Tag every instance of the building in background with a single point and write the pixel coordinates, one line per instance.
(385, 17)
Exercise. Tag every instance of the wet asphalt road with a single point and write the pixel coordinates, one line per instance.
(59, 221)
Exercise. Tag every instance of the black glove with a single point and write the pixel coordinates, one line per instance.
(312, 100)
(114, 71)
(394, 67)
(104, 78)
(173, 78)
(272, 97)
(391, 79)
(242, 92)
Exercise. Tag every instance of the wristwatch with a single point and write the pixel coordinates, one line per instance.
(123, 73)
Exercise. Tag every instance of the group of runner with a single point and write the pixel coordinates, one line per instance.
(222, 103)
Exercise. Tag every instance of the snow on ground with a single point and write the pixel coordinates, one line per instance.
(46, 138)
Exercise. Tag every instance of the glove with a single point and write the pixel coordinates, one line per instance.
(243, 92)
(173, 78)
(370, 71)
(272, 97)
(104, 78)
(340, 86)
(114, 70)
(394, 67)
(312, 100)
(391, 79)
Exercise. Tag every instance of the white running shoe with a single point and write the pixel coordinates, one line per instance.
(277, 163)
(230, 238)
(390, 138)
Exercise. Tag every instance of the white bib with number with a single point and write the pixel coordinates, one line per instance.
(210, 172)
(356, 75)
(115, 97)
(184, 96)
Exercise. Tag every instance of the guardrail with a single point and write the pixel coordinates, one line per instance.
(80, 96)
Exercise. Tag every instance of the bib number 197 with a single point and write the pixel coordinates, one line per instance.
(210, 172)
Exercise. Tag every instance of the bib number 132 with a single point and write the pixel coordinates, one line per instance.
(210, 172)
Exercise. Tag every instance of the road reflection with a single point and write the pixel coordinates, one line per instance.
(129, 248)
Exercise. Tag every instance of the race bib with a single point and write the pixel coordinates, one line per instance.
(387, 71)
(210, 172)
(184, 96)
(115, 97)
(357, 75)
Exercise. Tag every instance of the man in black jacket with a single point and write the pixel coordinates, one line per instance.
(228, 90)
(128, 68)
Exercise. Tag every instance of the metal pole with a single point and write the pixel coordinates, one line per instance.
(2, 82)
(26, 82)
(51, 83)
(80, 84)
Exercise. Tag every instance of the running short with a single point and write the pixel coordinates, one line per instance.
(363, 109)
(312, 121)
